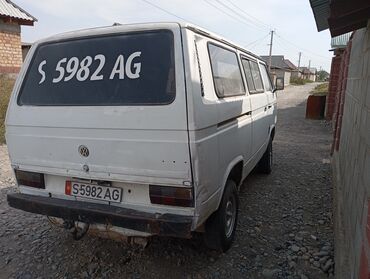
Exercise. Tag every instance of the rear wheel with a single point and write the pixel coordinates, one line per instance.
(221, 225)
(265, 164)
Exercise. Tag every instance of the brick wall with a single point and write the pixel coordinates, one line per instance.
(333, 84)
(340, 95)
(351, 162)
(10, 48)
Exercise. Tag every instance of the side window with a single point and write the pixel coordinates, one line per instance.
(253, 76)
(226, 72)
(266, 78)
(248, 75)
(256, 76)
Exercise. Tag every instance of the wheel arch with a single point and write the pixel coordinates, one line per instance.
(272, 133)
(233, 171)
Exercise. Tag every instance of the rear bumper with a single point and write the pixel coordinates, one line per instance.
(153, 223)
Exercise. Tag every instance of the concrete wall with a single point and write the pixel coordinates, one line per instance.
(10, 48)
(287, 76)
(296, 74)
(312, 77)
(351, 162)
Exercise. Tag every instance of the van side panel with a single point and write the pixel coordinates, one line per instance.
(219, 129)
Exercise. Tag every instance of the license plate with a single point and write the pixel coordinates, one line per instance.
(93, 191)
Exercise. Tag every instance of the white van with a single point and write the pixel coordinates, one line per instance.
(145, 129)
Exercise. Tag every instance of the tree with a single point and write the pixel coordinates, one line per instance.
(322, 75)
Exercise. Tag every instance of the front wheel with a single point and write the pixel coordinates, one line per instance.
(221, 225)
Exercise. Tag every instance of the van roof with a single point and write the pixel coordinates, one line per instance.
(116, 28)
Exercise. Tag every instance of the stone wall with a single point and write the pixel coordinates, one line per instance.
(10, 48)
(351, 162)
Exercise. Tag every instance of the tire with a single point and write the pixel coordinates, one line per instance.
(265, 164)
(220, 227)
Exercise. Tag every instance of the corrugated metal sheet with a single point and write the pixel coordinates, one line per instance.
(9, 9)
(321, 12)
(340, 41)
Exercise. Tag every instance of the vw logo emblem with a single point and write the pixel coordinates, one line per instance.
(83, 150)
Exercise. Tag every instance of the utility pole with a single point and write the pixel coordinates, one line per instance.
(309, 64)
(272, 38)
(299, 60)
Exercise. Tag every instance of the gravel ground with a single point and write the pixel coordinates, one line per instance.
(284, 230)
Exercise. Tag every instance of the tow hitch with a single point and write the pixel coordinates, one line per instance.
(78, 229)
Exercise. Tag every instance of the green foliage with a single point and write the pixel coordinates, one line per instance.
(321, 89)
(322, 75)
(6, 86)
(297, 81)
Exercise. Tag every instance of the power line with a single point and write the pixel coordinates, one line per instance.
(257, 41)
(287, 48)
(240, 15)
(254, 18)
(168, 12)
(301, 48)
(228, 14)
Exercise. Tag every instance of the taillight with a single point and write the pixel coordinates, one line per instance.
(30, 179)
(68, 188)
(167, 195)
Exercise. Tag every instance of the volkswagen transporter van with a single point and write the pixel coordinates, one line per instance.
(145, 129)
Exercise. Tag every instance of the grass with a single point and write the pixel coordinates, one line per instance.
(299, 81)
(6, 87)
(321, 89)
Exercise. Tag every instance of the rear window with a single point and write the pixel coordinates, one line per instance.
(124, 69)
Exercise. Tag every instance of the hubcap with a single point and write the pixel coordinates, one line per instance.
(230, 216)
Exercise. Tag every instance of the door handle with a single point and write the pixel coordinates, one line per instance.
(270, 106)
(265, 108)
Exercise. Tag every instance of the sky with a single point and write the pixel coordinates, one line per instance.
(245, 22)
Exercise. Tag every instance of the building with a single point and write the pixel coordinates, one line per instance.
(350, 76)
(11, 19)
(308, 73)
(25, 49)
(295, 73)
(280, 68)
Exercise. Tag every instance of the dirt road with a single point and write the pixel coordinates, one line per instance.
(284, 230)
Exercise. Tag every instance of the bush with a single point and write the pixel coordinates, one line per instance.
(297, 81)
(321, 89)
(6, 86)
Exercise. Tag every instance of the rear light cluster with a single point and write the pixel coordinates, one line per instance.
(68, 188)
(167, 195)
(30, 179)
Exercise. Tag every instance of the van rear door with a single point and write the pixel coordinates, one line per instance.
(118, 91)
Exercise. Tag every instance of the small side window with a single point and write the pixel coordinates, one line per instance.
(253, 76)
(256, 76)
(248, 75)
(266, 78)
(226, 72)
